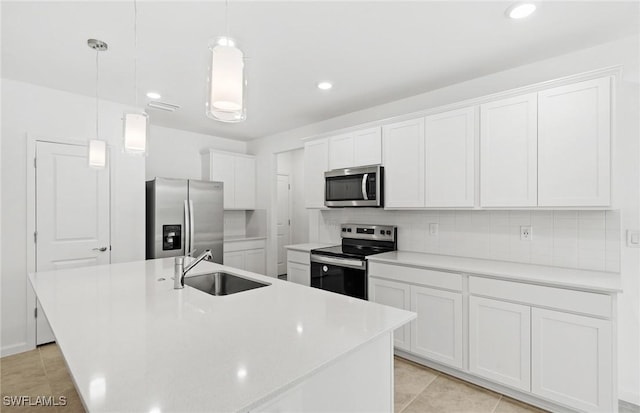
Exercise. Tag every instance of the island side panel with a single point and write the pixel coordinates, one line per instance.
(361, 381)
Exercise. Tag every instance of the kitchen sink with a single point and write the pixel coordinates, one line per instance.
(222, 283)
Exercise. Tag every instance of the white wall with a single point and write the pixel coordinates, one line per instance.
(626, 173)
(175, 153)
(56, 115)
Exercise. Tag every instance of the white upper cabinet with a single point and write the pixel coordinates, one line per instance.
(508, 140)
(404, 157)
(356, 149)
(341, 151)
(237, 171)
(450, 153)
(574, 144)
(245, 182)
(367, 147)
(316, 163)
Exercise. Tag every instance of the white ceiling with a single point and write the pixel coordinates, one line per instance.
(374, 52)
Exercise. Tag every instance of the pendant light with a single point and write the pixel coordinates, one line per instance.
(226, 92)
(135, 123)
(97, 147)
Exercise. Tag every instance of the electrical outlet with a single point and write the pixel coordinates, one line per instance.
(433, 229)
(525, 233)
(633, 238)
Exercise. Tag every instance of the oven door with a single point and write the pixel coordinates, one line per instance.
(339, 275)
(353, 187)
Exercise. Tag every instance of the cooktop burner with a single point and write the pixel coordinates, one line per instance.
(359, 240)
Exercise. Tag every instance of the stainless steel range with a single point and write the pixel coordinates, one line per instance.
(343, 268)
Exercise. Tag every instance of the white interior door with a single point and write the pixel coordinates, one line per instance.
(72, 214)
(284, 222)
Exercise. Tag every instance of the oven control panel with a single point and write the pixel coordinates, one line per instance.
(372, 232)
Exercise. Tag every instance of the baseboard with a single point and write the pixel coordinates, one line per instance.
(15, 349)
(627, 407)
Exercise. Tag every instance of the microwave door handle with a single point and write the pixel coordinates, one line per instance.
(364, 186)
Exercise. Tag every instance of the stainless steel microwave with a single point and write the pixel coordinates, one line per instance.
(354, 187)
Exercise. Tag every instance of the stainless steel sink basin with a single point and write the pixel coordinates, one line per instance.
(222, 283)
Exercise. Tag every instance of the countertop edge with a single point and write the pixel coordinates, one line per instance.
(288, 386)
(501, 275)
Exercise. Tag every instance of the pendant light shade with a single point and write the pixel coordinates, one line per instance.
(135, 132)
(226, 82)
(97, 153)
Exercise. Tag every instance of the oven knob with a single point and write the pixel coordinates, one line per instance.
(325, 268)
(348, 229)
(388, 232)
(344, 230)
(381, 232)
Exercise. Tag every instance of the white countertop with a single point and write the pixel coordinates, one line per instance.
(539, 274)
(237, 238)
(308, 247)
(133, 343)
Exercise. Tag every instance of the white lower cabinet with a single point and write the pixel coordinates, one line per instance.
(298, 273)
(500, 341)
(572, 360)
(234, 259)
(246, 255)
(437, 332)
(552, 343)
(299, 267)
(396, 295)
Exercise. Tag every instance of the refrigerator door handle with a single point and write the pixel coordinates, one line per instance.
(187, 228)
(191, 229)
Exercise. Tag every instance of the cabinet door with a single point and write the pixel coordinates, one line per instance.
(298, 273)
(395, 295)
(437, 332)
(234, 259)
(572, 360)
(574, 144)
(245, 183)
(367, 147)
(223, 170)
(508, 139)
(500, 342)
(450, 152)
(316, 163)
(404, 164)
(341, 152)
(254, 261)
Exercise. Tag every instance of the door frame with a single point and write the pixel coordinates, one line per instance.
(31, 142)
(290, 202)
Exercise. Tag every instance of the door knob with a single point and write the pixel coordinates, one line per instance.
(101, 249)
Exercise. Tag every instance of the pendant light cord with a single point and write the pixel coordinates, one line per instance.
(97, 81)
(226, 18)
(135, 51)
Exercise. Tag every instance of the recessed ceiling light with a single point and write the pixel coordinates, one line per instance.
(521, 10)
(153, 95)
(325, 85)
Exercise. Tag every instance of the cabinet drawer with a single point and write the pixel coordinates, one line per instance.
(230, 246)
(569, 300)
(298, 256)
(421, 276)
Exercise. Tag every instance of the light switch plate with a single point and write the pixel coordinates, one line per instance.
(633, 238)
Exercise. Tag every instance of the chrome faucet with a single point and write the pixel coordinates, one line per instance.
(179, 271)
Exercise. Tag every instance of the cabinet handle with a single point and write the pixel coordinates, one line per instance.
(101, 249)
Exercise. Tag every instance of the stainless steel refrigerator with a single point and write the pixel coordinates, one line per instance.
(184, 216)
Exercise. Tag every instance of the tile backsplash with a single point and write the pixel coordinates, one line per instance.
(574, 239)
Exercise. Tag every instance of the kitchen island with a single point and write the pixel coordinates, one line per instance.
(133, 343)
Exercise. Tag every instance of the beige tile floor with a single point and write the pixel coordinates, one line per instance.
(417, 389)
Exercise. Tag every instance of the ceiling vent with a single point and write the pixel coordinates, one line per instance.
(168, 107)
